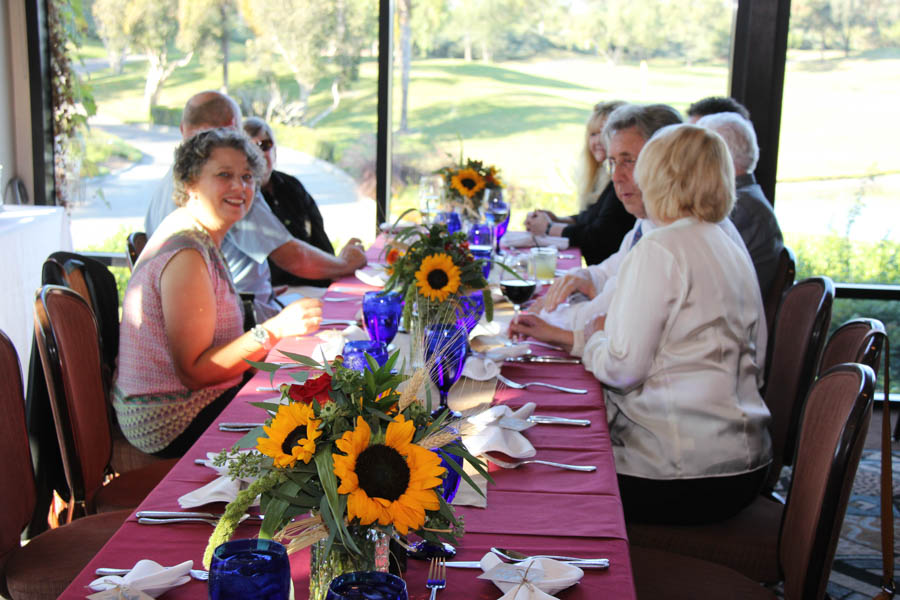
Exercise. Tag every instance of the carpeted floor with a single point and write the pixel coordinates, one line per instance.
(856, 574)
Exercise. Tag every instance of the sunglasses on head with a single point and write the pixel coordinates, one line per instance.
(265, 145)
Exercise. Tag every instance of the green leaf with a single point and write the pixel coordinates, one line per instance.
(263, 366)
(465, 476)
(271, 407)
(488, 304)
(300, 376)
(248, 440)
(303, 360)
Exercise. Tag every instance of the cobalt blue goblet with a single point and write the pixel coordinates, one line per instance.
(446, 345)
(367, 585)
(354, 354)
(471, 308)
(450, 219)
(382, 312)
(253, 568)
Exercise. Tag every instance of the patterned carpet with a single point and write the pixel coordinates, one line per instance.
(856, 574)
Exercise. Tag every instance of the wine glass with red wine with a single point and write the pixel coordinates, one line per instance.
(518, 281)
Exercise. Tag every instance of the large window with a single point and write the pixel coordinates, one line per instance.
(513, 83)
(838, 166)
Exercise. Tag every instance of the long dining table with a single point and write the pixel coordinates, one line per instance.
(535, 509)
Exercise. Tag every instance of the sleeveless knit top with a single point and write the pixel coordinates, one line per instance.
(152, 405)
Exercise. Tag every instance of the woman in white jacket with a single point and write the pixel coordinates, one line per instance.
(682, 348)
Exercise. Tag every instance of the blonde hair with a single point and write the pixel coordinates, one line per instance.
(686, 170)
(592, 176)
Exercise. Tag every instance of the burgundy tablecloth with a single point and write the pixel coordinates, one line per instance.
(533, 509)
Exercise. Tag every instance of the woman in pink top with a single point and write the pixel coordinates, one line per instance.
(183, 350)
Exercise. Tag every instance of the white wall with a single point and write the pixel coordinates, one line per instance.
(15, 113)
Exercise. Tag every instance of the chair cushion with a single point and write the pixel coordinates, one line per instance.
(129, 489)
(45, 566)
(125, 457)
(747, 542)
(666, 576)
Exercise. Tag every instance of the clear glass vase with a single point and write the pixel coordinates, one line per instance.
(324, 566)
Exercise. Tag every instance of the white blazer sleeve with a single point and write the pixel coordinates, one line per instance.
(650, 286)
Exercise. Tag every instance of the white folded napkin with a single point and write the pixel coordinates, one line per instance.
(487, 365)
(484, 327)
(221, 489)
(296, 292)
(148, 577)
(374, 275)
(333, 342)
(523, 239)
(531, 579)
(498, 429)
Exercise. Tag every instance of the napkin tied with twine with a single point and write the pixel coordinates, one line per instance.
(147, 579)
(531, 579)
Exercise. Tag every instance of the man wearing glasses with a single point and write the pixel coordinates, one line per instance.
(259, 235)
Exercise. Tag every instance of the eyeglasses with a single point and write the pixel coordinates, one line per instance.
(265, 145)
(627, 164)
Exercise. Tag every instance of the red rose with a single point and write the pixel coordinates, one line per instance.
(313, 389)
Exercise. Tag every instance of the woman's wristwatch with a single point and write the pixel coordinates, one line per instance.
(549, 225)
(262, 335)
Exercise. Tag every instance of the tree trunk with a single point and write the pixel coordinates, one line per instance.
(404, 14)
(335, 101)
(467, 47)
(225, 48)
(485, 52)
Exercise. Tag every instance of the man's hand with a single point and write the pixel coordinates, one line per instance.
(353, 254)
(297, 318)
(565, 286)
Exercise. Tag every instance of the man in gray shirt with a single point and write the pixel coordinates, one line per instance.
(752, 214)
(259, 235)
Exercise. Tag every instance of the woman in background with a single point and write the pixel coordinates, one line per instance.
(602, 223)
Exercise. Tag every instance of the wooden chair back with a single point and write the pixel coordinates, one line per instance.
(835, 420)
(66, 332)
(136, 242)
(800, 330)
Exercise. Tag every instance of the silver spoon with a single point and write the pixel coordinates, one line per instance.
(197, 574)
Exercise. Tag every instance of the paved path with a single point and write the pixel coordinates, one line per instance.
(120, 198)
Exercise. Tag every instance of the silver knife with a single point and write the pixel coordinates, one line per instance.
(163, 514)
(238, 427)
(474, 564)
(531, 358)
(548, 420)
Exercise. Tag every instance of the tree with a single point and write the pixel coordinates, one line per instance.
(205, 25)
(150, 26)
(109, 16)
(317, 39)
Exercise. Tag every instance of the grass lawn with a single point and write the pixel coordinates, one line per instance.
(527, 117)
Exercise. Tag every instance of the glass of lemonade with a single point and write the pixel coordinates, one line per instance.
(545, 262)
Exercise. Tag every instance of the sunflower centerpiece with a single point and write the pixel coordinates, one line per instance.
(466, 183)
(433, 269)
(345, 461)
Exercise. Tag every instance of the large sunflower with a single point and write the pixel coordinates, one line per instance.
(467, 182)
(392, 482)
(437, 277)
(292, 435)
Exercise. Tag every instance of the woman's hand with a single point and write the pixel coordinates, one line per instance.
(565, 286)
(537, 221)
(297, 318)
(528, 325)
(597, 324)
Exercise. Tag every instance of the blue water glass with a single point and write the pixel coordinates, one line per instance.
(497, 213)
(446, 345)
(483, 253)
(450, 219)
(471, 309)
(251, 568)
(367, 585)
(381, 313)
(354, 354)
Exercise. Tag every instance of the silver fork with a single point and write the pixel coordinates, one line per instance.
(514, 465)
(520, 386)
(198, 574)
(437, 576)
